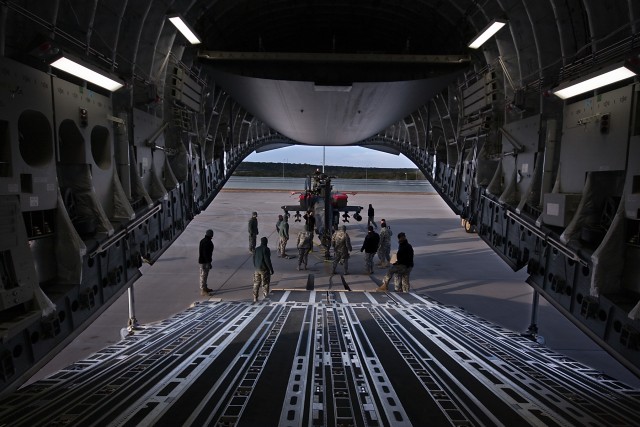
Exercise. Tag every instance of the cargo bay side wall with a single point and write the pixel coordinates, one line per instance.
(88, 192)
(554, 193)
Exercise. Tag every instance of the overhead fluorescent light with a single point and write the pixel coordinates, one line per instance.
(73, 67)
(603, 77)
(493, 27)
(185, 29)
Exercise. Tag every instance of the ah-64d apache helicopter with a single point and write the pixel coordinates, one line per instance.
(326, 206)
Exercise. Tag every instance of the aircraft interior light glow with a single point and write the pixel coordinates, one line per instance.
(186, 31)
(493, 27)
(69, 66)
(593, 82)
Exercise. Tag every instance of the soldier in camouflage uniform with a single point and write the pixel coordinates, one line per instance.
(284, 238)
(304, 247)
(402, 267)
(384, 248)
(341, 246)
(263, 269)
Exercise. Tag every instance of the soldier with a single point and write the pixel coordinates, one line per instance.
(402, 266)
(370, 215)
(280, 217)
(263, 269)
(384, 248)
(304, 247)
(284, 238)
(341, 247)
(370, 246)
(253, 231)
(310, 225)
(205, 256)
(309, 221)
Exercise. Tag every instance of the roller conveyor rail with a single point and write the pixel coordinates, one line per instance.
(325, 358)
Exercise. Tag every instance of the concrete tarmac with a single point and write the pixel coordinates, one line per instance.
(451, 266)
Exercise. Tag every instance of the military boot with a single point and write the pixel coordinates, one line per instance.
(382, 288)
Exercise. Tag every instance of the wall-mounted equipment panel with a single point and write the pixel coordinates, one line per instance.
(186, 90)
(27, 159)
(559, 208)
(595, 137)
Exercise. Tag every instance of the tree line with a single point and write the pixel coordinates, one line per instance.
(301, 170)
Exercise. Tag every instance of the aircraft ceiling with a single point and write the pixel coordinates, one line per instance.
(135, 39)
(329, 115)
(335, 100)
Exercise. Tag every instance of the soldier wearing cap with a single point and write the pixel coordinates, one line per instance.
(205, 256)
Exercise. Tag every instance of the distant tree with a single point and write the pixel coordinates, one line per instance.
(301, 170)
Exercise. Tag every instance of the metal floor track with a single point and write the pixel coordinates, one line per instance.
(311, 358)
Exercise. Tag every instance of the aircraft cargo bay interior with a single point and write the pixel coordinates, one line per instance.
(122, 121)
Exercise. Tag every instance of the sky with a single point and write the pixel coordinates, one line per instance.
(334, 156)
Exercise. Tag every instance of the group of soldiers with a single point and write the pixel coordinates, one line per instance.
(399, 269)
(373, 244)
(304, 241)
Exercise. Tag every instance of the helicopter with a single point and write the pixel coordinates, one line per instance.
(326, 206)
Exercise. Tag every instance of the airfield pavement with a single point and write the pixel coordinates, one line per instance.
(451, 266)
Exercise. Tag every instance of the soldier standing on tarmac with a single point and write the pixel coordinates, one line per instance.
(304, 247)
(263, 269)
(384, 249)
(370, 216)
(370, 246)
(253, 231)
(284, 238)
(341, 246)
(310, 225)
(205, 256)
(401, 267)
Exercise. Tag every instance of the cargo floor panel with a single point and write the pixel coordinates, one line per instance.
(327, 358)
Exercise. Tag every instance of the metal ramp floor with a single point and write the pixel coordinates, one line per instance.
(325, 358)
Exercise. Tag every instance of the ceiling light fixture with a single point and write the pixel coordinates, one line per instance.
(72, 66)
(184, 28)
(603, 77)
(493, 27)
